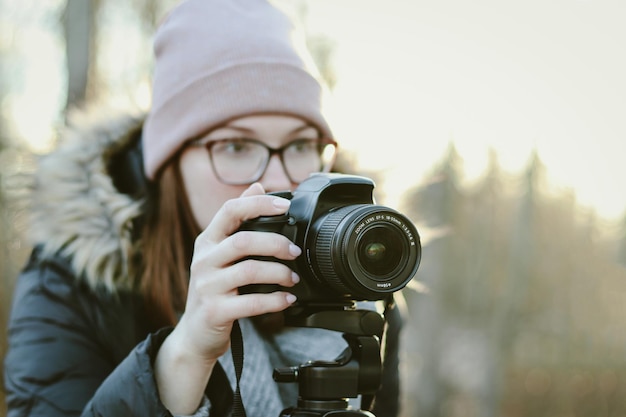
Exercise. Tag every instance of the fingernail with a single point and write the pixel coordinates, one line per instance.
(281, 203)
(291, 298)
(294, 250)
(295, 278)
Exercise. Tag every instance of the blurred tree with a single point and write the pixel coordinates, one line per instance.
(321, 47)
(514, 283)
(79, 29)
(150, 13)
(621, 246)
(436, 205)
(523, 303)
(5, 231)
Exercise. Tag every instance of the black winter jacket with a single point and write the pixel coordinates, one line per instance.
(79, 343)
(65, 340)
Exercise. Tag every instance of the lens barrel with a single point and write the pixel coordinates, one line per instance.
(364, 251)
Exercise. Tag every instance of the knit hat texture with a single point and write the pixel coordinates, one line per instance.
(217, 60)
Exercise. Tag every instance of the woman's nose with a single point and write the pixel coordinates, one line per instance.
(275, 177)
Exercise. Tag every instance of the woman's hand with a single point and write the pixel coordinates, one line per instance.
(213, 301)
(187, 356)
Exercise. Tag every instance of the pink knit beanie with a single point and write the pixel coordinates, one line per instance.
(217, 60)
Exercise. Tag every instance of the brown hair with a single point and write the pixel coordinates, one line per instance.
(168, 240)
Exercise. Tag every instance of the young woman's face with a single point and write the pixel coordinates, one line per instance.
(207, 192)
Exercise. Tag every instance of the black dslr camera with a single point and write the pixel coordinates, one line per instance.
(352, 249)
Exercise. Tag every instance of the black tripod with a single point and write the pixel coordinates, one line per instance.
(325, 386)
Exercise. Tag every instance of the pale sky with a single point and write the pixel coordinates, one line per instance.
(510, 75)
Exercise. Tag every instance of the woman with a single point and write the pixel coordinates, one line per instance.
(128, 301)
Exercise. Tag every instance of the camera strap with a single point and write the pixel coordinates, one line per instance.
(236, 349)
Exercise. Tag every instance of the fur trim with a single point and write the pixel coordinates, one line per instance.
(78, 212)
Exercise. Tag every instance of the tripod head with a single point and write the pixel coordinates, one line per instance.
(325, 386)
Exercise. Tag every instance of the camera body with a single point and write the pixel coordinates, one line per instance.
(353, 249)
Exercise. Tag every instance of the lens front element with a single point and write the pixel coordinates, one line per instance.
(380, 251)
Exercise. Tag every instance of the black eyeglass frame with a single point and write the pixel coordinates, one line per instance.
(321, 143)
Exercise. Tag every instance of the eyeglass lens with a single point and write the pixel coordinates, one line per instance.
(241, 161)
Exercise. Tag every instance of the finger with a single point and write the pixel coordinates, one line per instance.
(250, 243)
(254, 189)
(233, 212)
(250, 305)
(255, 272)
(247, 243)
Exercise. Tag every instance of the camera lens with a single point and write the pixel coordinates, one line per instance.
(364, 251)
(380, 251)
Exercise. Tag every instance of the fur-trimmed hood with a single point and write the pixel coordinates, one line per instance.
(76, 209)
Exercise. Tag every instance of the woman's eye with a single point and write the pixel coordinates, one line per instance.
(234, 147)
(303, 146)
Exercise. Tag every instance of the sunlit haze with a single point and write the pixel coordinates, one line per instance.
(415, 76)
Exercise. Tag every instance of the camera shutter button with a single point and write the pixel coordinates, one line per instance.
(286, 374)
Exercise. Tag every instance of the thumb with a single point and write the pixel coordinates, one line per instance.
(254, 189)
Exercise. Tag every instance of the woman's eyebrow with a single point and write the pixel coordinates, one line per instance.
(303, 127)
(231, 127)
(246, 130)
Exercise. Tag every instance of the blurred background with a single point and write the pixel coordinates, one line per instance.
(497, 126)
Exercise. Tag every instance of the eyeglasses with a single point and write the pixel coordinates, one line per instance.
(244, 161)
